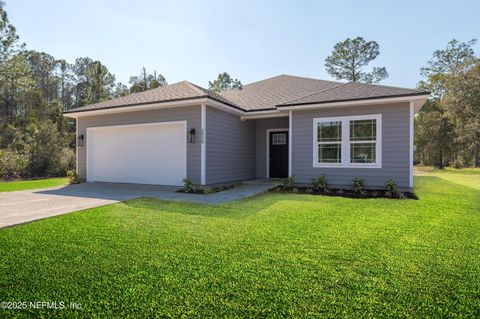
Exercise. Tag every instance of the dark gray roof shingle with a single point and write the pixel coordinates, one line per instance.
(177, 91)
(353, 91)
(282, 90)
(268, 93)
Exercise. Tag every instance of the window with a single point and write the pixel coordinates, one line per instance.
(353, 141)
(363, 136)
(329, 139)
(279, 139)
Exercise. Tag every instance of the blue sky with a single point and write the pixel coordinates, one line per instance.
(252, 40)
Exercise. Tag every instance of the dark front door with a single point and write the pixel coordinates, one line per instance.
(278, 151)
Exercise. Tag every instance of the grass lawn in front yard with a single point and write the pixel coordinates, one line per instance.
(32, 184)
(275, 255)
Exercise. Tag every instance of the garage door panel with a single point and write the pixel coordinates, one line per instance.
(146, 154)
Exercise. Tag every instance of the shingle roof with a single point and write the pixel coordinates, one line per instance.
(174, 92)
(353, 91)
(268, 93)
(282, 90)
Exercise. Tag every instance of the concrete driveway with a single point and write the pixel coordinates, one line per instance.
(26, 206)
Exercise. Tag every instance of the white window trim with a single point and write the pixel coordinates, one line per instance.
(346, 141)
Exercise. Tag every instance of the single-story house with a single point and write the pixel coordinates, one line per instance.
(274, 128)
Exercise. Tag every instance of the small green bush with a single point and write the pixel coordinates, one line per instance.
(320, 184)
(357, 185)
(188, 185)
(73, 177)
(392, 188)
(288, 183)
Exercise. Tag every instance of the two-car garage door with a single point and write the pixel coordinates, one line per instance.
(153, 153)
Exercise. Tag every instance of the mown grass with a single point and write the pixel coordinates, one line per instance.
(32, 184)
(275, 255)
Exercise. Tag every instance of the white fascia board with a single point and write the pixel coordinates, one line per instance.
(281, 112)
(135, 108)
(264, 115)
(420, 99)
(224, 107)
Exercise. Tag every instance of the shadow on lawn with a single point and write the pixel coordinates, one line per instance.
(435, 184)
(235, 210)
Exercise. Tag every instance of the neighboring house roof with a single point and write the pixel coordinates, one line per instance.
(282, 90)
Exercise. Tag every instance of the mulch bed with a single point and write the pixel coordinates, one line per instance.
(207, 190)
(368, 193)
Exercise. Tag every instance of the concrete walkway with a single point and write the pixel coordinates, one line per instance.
(26, 206)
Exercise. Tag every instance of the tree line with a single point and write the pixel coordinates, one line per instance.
(447, 128)
(35, 88)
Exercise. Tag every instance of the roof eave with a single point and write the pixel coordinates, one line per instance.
(356, 102)
(151, 106)
(136, 107)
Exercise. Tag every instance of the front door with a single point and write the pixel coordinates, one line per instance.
(278, 153)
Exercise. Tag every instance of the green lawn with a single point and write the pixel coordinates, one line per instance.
(32, 184)
(274, 255)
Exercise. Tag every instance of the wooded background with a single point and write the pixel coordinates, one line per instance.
(36, 87)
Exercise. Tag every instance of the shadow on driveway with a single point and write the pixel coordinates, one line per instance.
(111, 191)
(26, 206)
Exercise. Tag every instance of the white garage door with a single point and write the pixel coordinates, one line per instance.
(153, 153)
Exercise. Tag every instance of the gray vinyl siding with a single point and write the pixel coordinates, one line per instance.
(190, 114)
(230, 148)
(395, 147)
(261, 145)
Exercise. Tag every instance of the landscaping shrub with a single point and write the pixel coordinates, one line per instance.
(320, 184)
(288, 183)
(357, 185)
(73, 177)
(392, 188)
(188, 185)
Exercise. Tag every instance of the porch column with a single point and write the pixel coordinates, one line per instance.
(203, 156)
(290, 134)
